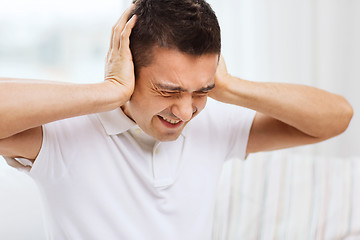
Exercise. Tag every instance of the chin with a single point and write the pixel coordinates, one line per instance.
(167, 137)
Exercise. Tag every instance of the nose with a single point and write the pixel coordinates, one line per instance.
(183, 108)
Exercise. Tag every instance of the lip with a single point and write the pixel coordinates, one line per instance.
(169, 125)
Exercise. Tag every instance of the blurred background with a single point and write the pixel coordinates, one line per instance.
(313, 42)
(304, 42)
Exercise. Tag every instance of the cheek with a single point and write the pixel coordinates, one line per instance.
(161, 104)
(200, 103)
(147, 105)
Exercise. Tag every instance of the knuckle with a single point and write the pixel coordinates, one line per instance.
(115, 28)
(123, 36)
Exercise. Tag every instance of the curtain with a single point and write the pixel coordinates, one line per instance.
(312, 42)
(284, 195)
(306, 192)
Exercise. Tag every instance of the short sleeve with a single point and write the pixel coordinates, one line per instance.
(230, 127)
(60, 147)
(50, 151)
(40, 164)
(240, 122)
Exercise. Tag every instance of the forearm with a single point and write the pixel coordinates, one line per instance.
(313, 111)
(28, 104)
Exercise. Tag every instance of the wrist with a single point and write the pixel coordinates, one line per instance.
(223, 88)
(115, 94)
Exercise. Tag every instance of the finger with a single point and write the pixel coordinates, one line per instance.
(119, 26)
(114, 36)
(125, 35)
(125, 14)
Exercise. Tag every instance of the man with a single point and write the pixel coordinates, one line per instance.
(140, 159)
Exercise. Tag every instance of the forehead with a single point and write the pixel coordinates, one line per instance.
(172, 67)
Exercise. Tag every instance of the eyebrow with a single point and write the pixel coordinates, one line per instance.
(206, 89)
(180, 89)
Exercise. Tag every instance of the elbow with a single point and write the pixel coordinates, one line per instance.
(342, 119)
(347, 115)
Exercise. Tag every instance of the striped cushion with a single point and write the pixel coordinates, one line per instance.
(284, 196)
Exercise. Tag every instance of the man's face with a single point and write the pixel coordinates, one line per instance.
(170, 92)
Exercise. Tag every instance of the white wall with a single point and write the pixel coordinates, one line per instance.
(313, 42)
(54, 40)
(307, 42)
(22, 214)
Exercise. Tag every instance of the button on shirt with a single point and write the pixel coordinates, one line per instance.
(104, 178)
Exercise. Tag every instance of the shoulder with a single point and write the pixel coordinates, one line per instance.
(223, 127)
(221, 112)
(76, 127)
(221, 117)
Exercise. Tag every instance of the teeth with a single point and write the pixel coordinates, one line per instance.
(171, 121)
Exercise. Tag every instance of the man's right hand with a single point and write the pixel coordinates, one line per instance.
(119, 67)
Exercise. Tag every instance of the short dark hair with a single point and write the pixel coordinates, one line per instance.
(189, 26)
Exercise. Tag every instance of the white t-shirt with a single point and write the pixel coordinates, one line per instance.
(104, 178)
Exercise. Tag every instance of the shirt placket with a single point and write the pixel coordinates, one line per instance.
(165, 161)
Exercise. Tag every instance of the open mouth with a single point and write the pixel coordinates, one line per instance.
(169, 122)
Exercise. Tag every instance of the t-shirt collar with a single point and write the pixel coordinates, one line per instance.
(115, 121)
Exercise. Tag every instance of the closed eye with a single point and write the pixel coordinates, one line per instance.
(169, 94)
(201, 93)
